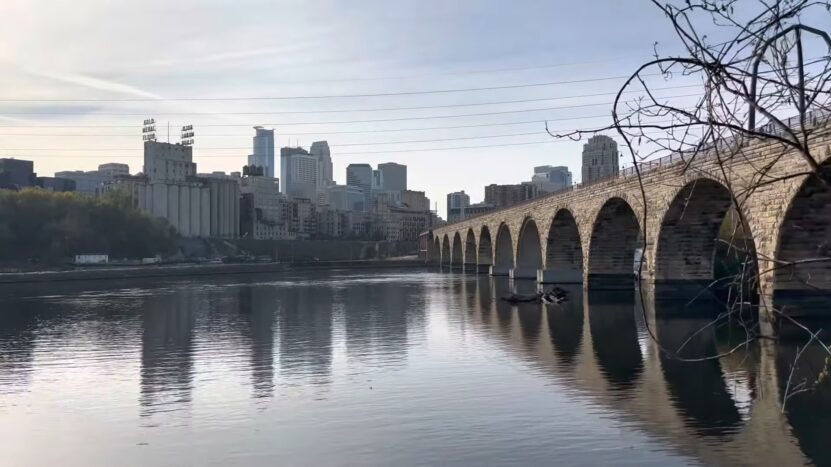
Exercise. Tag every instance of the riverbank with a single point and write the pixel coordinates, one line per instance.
(188, 270)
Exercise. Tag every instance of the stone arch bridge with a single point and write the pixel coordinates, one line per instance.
(590, 234)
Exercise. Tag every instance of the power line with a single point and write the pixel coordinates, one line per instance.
(429, 117)
(373, 143)
(340, 153)
(384, 109)
(314, 133)
(336, 96)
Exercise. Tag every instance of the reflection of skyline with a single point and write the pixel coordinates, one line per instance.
(305, 326)
(257, 307)
(18, 330)
(232, 329)
(379, 320)
(166, 351)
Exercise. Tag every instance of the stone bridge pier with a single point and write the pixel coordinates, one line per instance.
(699, 226)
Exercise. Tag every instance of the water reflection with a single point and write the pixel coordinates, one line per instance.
(302, 348)
(808, 407)
(304, 320)
(615, 337)
(565, 326)
(257, 307)
(18, 334)
(697, 387)
(379, 321)
(167, 351)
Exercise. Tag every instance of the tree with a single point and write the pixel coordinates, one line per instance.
(763, 75)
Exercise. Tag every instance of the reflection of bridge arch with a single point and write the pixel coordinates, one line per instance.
(697, 388)
(615, 337)
(565, 327)
(649, 402)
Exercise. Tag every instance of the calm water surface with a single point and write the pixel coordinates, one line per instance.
(382, 368)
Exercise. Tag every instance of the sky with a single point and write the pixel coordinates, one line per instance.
(156, 50)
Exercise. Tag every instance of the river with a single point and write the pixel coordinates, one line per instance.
(384, 368)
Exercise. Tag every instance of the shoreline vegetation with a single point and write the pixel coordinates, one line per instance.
(43, 229)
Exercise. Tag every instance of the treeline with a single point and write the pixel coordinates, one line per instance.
(40, 226)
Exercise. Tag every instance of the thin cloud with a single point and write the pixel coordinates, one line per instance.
(92, 82)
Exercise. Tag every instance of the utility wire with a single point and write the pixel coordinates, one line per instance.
(374, 143)
(384, 109)
(402, 119)
(336, 96)
(551, 141)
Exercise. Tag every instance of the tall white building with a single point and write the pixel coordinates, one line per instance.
(299, 172)
(165, 162)
(601, 159)
(206, 206)
(263, 155)
(320, 150)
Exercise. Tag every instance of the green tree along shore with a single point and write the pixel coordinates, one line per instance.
(45, 227)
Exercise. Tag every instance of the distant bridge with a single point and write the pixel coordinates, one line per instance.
(590, 234)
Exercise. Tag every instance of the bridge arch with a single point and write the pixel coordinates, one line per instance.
(689, 231)
(612, 246)
(456, 255)
(504, 251)
(802, 278)
(529, 250)
(702, 238)
(470, 247)
(485, 247)
(564, 254)
(435, 251)
(445, 251)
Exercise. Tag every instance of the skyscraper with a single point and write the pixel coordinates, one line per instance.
(320, 149)
(360, 175)
(298, 170)
(325, 179)
(263, 155)
(600, 159)
(549, 179)
(504, 196)
(458, 200)
(393, 176)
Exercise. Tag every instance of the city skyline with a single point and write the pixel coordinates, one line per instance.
(381, 51)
